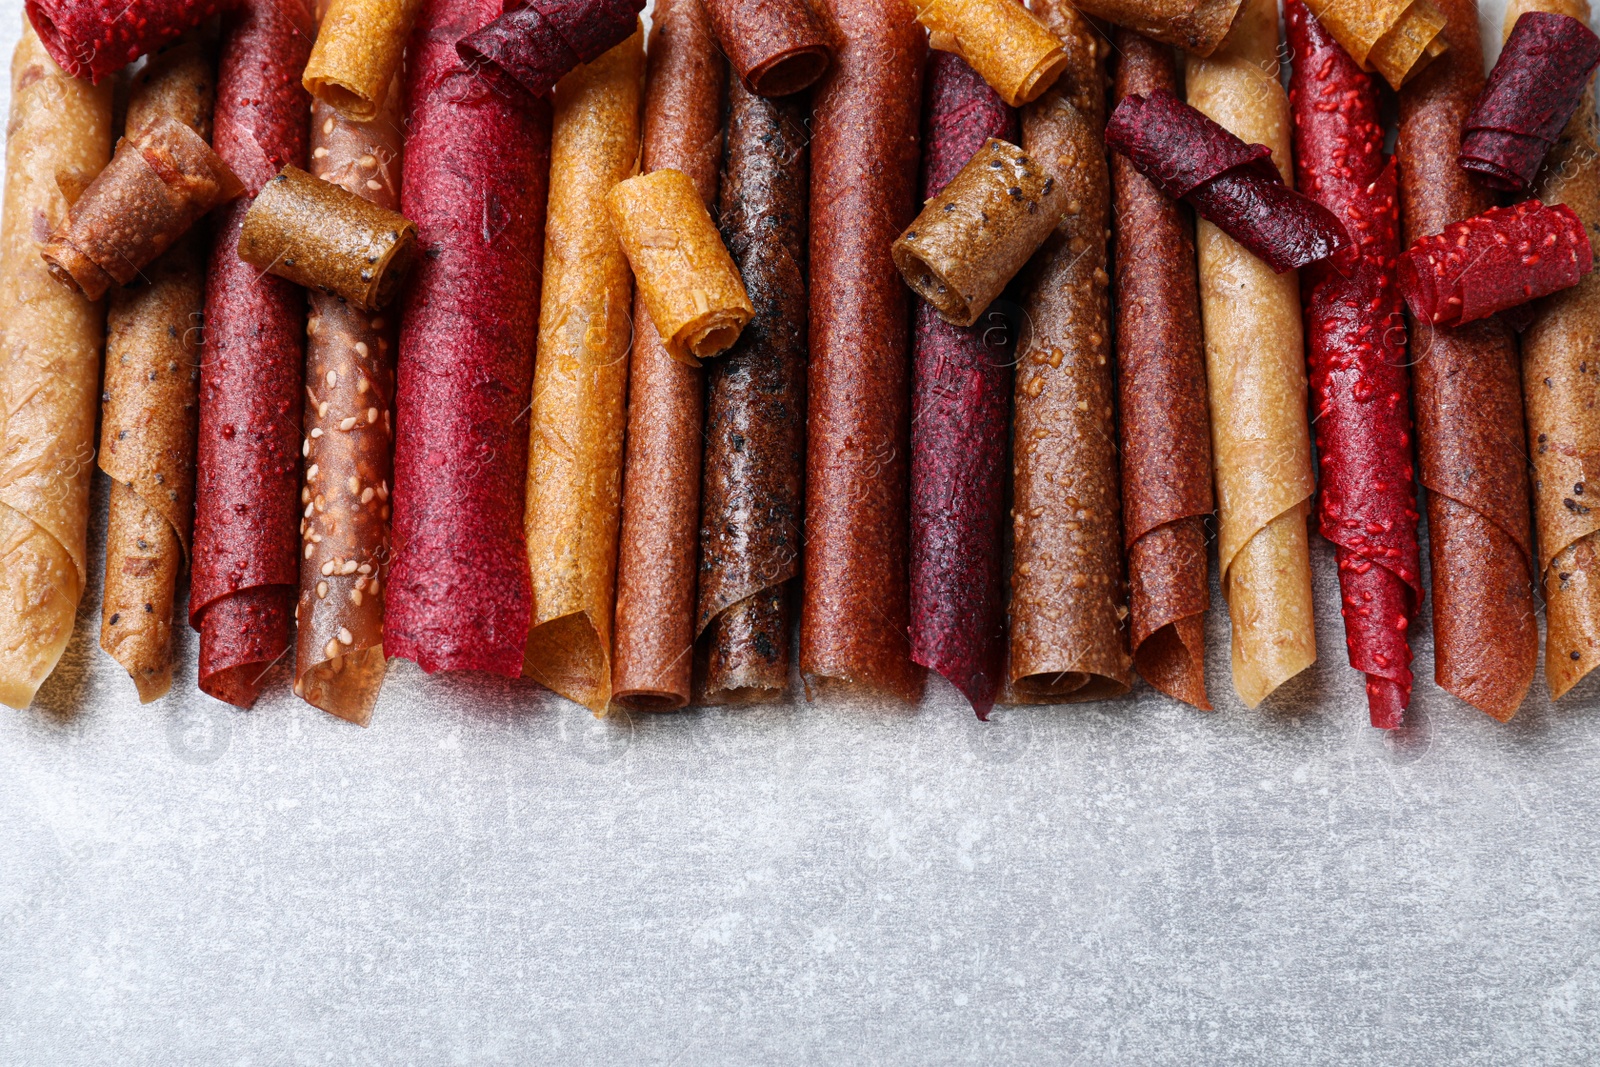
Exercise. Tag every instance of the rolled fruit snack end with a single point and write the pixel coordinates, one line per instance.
(777, 47)
(973, 237)
(1000, 39)
(685, 275)
(1196, 26)
(1396, 38)
(960, 404)
(163, 178)
(357, 54)
(533, 47)
(152, 378)
(1165, 424)
(91, 40)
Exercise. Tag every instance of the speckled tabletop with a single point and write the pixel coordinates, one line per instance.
(490, 876)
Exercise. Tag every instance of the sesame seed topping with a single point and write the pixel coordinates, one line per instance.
(365, 568)
(354, 483)
(313, 470)
(368, 160)
(331, 649)
(346, 637)
(373, 183)
(316, 433)
(349, 567)
(332, 377)
(310, 548)
(372, 416)
(322, 590)
(327, 566)
(366, 494)
(355, 596)
(320, 153)
(347, 424)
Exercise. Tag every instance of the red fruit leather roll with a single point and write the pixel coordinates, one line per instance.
(247, 477)
(1535, 87)
(1166, 423)
(960, 400)
(1356, 327)
(776, 47)
(534, 46)
(652, 664)
(1469, 412)
(476, 168)
(856, 596)
(93, 38)
(1233, 184)
(1494, 262)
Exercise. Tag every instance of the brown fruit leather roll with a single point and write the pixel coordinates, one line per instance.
(777, 47)
(755, 409)
(1196, 26)
(1069, 641)
(152, 382)
(1468, 399)
(1562, 391)
(661, 486)
(856, 596)
(349, 445)
(1166, 427)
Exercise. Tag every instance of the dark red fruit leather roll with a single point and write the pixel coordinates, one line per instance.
(1535, 87)
(476, 169)
(1468, 390)
(856, 596)
(776, 47)
(532, 47)
(1166, 422)
(93, 38)
(246, 526)
(960, 400)
(1233, 184)
(1356, 329)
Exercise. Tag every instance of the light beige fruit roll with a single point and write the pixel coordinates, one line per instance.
(1256, 372)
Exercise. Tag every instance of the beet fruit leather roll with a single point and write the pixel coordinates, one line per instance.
(755, 409)
(776, 47)
(1563, 404)
(147, 432)
(247, 476)
(474, 182)
(960, 400)
(661, 488)
(90, 40)
(1166, 429)
(1368, 504)
(856, 595)
(1069, 639)
(580, 390)
(1256, 371)
(49, 364)
(1468, 402)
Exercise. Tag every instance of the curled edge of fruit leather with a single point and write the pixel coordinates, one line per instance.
(1000, 39)
(777, 47)
(1196, 26)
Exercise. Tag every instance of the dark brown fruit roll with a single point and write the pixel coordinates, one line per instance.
(777, 47)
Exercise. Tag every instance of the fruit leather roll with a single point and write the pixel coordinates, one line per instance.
(960, 403)
(1563, 404)
(50, 338)
(1001, 40)
(755, 409)
(1196, 26)
(1468, 400)
(241, 598)
(91, 40)
(152, 384)
(661, 488)
(349, 446)
(534, 45)
(776, 47)
(581, 381)
(1396, 38)
(357, 54)
(1368, 504)
(856, 595)
(1165, 427)
(1069, 640)
(474, 180)
(1256, 371)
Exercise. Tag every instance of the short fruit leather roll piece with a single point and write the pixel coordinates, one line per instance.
(1362, 389)
(1396, 38)
(777, 47)
(50, 338)
(356, 57)
(1001, 40)
(856, 595)
(659, 547)
(960, 407)
(474, 179)
(1069, 633)
(1256, 370)
(248, 474)
(1468, 399)
(1165, 424)
(148, 417)
(93, 38)
(581, 381)
(1196, 26)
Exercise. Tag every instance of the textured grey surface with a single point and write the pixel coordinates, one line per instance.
(488, 875)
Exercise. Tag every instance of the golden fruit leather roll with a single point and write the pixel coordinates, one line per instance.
(580, 381)
(1068, 614)
(357, 54)
(856, 595)
(1561, 384)
(686, 279)
(1396, 38)
(1196, 26)
(349, 445)
(1009, 47)
(1256, 370)
(152, 381)
(653, 665)
(58, 133)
